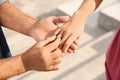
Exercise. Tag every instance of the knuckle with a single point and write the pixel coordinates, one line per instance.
(39, 45)
(46, 20)
(43, 50)
(57, 68)
(68, 32)
(59, 54)
(56, 44)
(66, 44)
(38, 49)
(59, 51)
(46, 65)
(73, 35)
(59, 61)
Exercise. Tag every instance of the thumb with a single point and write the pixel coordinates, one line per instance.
(61, 19)
(53, 45)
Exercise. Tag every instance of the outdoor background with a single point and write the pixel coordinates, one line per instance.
(88, 62)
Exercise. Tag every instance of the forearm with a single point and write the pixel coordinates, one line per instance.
(87, 7)
(11, 66)
(14, 19)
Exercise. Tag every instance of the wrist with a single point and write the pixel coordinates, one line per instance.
(26, 62)
(32, 31)
(78, 18)
(36, 31)
(27, 30)
(20, 63)
(80, 15)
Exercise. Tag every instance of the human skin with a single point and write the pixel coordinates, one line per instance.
(72, 31)
(43, 56)
(12, 18)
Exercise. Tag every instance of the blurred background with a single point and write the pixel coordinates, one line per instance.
(88, 62)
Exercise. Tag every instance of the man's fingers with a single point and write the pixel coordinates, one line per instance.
(64, 18)
(57, 61)
(55, 64)
(56, 53)
(54, 67)
(53, 45)
(47, 41)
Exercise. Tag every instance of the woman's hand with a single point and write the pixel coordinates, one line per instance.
(70, 34)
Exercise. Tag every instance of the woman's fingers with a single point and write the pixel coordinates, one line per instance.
(73, 46)
(70, 50)
(68, 42)
(65, 36)
(77, 41)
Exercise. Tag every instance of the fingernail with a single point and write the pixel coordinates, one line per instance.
(74, 51)
(67, 17)
(58, 36)
(70, 52)
(60, 25)
(63, 54)
(54, 36)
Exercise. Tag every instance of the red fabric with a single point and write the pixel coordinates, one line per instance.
(113, 59)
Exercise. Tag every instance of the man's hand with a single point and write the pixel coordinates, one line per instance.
(12, 18)
(46, 27)
(44, 56)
